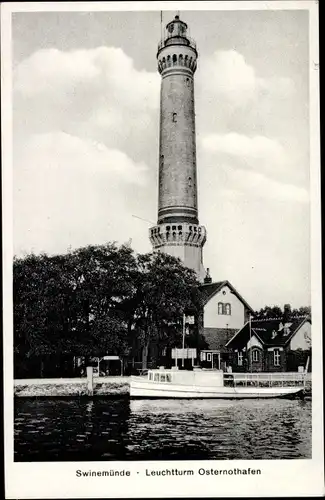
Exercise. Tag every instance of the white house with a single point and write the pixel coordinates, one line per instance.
(225, 312)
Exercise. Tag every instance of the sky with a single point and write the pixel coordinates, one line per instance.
(86, 129)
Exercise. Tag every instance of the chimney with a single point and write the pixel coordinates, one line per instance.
(286, 313)
(207, 278)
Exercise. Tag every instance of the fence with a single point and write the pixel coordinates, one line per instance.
(265, 379)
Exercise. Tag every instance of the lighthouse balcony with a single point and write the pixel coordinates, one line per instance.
(176, 40)
(177, 234)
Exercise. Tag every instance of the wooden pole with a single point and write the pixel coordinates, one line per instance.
(250, 342)
(90, 381)
(306, 371)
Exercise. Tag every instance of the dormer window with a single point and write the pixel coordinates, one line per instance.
(286, 329)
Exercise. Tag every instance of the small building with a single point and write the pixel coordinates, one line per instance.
(271, 345)
(225, 312)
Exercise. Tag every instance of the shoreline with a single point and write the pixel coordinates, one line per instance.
(77, 387)
(72, 387)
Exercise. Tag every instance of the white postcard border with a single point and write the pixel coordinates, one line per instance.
(59, 480)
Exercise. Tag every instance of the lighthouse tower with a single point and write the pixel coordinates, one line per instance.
(178, 232)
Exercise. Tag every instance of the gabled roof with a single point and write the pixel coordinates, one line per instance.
(270, 332)
(208, 290)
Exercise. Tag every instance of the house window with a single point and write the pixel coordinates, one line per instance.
(162, 378)
(276, 357)
(224, 308)
(209, 356)
(240, 358)
(255, 355)
(156, 377)
(203, 356)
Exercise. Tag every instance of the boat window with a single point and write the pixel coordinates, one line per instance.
(168, 377)
(163, 378)
(156, 377)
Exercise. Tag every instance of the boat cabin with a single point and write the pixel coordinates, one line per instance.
(159, 376)
(185, 377)
(205, 377)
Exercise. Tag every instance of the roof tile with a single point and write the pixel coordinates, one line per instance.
(271, 331)
(217, 338)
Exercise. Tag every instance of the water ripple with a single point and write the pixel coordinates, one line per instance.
(71, 429)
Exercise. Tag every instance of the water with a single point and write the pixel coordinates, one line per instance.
(120, 429)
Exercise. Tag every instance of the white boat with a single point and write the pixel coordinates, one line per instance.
(215, 384)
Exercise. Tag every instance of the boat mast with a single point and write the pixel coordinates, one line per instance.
(183, 342)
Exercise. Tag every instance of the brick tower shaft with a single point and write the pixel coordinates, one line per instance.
(178, 231)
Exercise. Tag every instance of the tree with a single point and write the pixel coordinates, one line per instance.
(277, 312)
(39, 305)
(268, 312)
(165, 291)
(100, 300)
(302, 311)
(103, 279)
(71, 304)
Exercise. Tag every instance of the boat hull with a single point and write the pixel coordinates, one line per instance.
(146, 389)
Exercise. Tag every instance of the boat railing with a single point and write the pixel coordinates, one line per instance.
(264, 379)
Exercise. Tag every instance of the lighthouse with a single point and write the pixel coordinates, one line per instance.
(178, 231)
